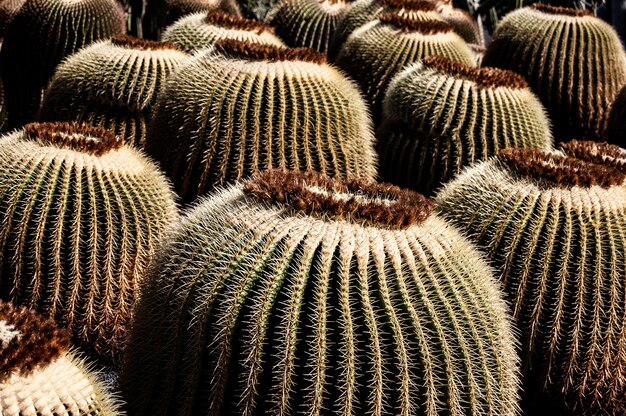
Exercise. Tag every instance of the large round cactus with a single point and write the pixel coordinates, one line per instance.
(379, 50)
(616, 128)
(80, 214)
(573, 60)
(39, 375)
(296, 293)
(440, 116)
(112, 84)
(40, 35)
(461, 21)
(555, 228)
(175, 9)
(202, 30)
(246, 108)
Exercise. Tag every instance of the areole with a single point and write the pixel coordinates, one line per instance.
(81, 137)
(485, 77)
(258, 52)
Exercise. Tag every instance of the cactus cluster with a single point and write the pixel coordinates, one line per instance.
(440, 116)
(40, 375)
(112, 84)
(80, 216)
(554, 225)
(296, 293)
(573, 60)
(616, 125)
(244, 108)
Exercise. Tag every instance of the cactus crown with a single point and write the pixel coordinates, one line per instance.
(28, 340)
(227, 20)
(132, 42)
(427, 27)
(257, 52)
(560, 170)
(563, 11)
(594, 152)
(485, 77)
(414, 5)
(361, 201)
(81, 137)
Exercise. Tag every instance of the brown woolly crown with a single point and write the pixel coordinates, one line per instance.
(257, 52)
(81, 137)
(368, 202)
(132, 42)
(560, 170)
(28, 340)
(601, 153)
(414, 5)
(486, 77)
(563, 11)
(228, 21)
(426, 27)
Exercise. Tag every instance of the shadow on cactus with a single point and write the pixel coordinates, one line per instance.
(616, 127)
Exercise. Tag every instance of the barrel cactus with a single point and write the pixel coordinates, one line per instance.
(80, 215)
(41, 375)
(379, 50)
(40, 35)
(8, 9)
(554, 226)
(616, 129)
(175, 9)
(112, 84)
(202, 30)
(246, 108)
(297, 293)
(461, 21)
(440, 116)
(573, 60)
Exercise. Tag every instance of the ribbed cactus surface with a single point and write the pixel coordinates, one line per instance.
(461, 21)
(80, 215)
(441, 116)
(379, 50)
(41, 34)
(202, 30)
(112, 84)
(39, 375)
(616, 127)
(294, 293)
(555, 228)
(246, 108)
(175, 9)
(573, 60)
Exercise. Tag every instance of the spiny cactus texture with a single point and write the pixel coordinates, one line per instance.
(202, 30)
(247, 108)
(112, 84)
(461, 21)
(296, 293)
(379, 50)
(80, 213)
(616, 128)
(39, 375)
(40, 35)
(571, 59)
(440, 116)
(307, 23)
(555, 228)
(175, 9)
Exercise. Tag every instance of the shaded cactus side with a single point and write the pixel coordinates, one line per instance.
(297, 293)
(462, 22)
(8, 9)
(616, 124)
(175, 9)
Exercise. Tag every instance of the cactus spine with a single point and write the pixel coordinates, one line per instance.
(296, 292)
(573, 61)
(80, 217)
(616, 128)
(112, 84)
(440, 116)
(555, 228)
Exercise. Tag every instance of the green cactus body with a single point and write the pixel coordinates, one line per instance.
(379, 50)
(555, 228)
(40, 375)
(80, 215)
(461, 21)
(572, 60)
(246, 108)
(307, 23)
(201, 31)
(440, 116)
(112, 84)
(295, 293)
(175, 9)
(41, 34)
(616, 128)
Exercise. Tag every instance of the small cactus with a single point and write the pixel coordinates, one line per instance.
(246, 108)
(294, 293)
(202, 30)
(40, 375)
(80, 216)
(40, 35)
(616, 128)
(112, 84)
(461, 21)
(440, 116)
(554, 227)
(175, 9)
(573, 61)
